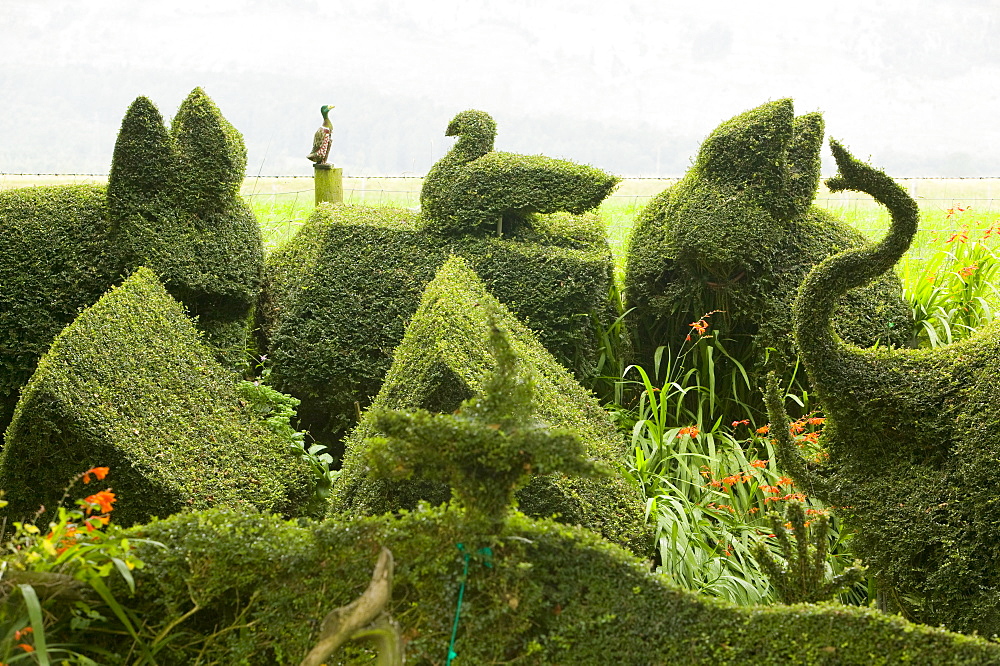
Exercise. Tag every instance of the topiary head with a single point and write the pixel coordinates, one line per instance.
(472, 123)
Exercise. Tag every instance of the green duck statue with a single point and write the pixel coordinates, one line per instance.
(322, 138)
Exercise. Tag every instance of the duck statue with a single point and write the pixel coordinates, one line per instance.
(322, 139)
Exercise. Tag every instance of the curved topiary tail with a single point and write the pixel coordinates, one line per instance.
(853, 268)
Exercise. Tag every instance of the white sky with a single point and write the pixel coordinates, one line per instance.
(897, 80)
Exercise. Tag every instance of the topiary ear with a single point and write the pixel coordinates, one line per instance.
(749, 150)
(211, 155)
(803, 164)
(143, 167)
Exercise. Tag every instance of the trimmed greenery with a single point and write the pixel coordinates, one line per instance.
(473, 189)
(55, 258)
(339, 295)
(172, 203)
(444, 358)
(253, 588)
(912, 437)
(130, 385)
(737, 236)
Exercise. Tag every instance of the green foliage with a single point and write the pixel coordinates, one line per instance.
(277, 410)
(802, 577)
(736, 236)
(247, 588)
(911, 438)
(176, 209)
(484, 451)
(55, 258)
(129, 384)
(444, 359)
(338, 296)
(473, 189)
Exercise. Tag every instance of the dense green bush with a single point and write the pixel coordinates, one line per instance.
(175, 207)
(338, 296)
(131, 386)
(172, 204)
(443, 359)
(55, 258)
(255, 589)
(912, 437)
(738, 235)
(472, 188)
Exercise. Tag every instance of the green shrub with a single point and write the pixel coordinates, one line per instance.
(55, 258)
(254, 589)
(339, 295)
(172, 204)
(443, 359)
(473, 189)
(130, 385)
(912, 437)
(737, 235)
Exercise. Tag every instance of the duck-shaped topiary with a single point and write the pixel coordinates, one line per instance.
(473, 188)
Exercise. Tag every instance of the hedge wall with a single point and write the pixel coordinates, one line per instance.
(131, 386)
(443, 359)
(338, 296)
(739, 234)
(913, 438)
(55, 259)
(552, 595)
(472, 188)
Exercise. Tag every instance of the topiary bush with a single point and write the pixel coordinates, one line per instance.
(230, 587)
(55, 259)
(473, 189)
(175, 208)
(911, 435)
(338, 296)
(737, 235)
(172, 203)
(443, 359)
(131, 386)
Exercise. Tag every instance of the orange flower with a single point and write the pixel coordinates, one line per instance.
(26, 647)
(759, 464)
(701, 326)
(785, 481)
(739, 423)
(104, 499)
(763, 430)
(968, 270)
(774, 490)
(691, 431)
(816, 420)
(796, 427)
(99, 472)
(96, 522)
(23, 632)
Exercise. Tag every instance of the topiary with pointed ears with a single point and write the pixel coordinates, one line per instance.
(487, 449)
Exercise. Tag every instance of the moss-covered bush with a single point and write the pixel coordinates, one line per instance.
(912, 437)
(738, 234)
(131, 386)
(55, 259)
(444, 358)
(172, 204)
(473, 189)
(338, 296)
(552, 595)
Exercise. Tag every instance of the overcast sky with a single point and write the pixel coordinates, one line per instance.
(630, 86)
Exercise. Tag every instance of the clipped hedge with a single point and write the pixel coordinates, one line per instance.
(739, 234)
(475, 190)
(444, 358)
(175, 207)
(172, 203)
(913, 437)
(55, 259)
(338, 296)
(552, 595)
(131, 386)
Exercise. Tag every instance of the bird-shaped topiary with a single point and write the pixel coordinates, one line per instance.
(474, 189)
(487, 449)
(323, 137)
(912, 436)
